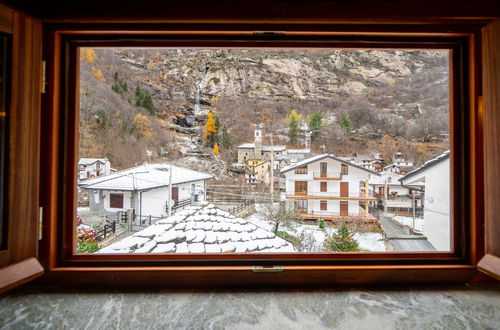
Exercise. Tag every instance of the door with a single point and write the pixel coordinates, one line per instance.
(20, 75)
(344, 189)
(301, 188)
(323, 166)
(344, 209)
(175, 195)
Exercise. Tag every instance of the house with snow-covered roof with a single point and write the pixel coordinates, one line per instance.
(148, 189)
(201, 229)
(392, 195)
(328, 187)
(434, 175)
(93, 167)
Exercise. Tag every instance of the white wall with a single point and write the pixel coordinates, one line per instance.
(354, 177)
(437, 205)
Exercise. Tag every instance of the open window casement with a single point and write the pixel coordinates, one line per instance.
(490, 263)
(18, 253)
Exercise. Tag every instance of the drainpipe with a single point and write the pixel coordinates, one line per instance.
(385, 197)
(169, 210)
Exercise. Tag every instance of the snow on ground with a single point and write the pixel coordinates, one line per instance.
(367, 241)
(408, 221)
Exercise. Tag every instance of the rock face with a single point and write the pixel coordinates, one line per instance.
(245, 87)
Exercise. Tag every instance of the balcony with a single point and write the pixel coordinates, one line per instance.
(331, 196)
(338, 216)
(327, 175)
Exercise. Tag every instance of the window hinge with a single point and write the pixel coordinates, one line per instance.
(44, 77)
(268, 269)
(40, 223)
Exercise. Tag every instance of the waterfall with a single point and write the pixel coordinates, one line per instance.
(199, 85)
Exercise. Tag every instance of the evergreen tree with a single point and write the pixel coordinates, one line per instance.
(293, 126)
(342, 240)
(210, 130)
(144, 100)
(225, 138)
(119, 86)
(316, 124)
(345, 124)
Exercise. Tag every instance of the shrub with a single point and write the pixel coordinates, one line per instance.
(342, 240)
(87, 247)
(322, 224)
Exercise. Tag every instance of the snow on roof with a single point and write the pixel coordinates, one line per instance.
(89, 161)
(427, 164)
(201, 229)
(320, 157)
(264, 148)
(392, 179)
(299, 151)
(144, 177)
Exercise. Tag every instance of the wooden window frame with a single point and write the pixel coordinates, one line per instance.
(323, 205)
(59, 124)
(323, 186)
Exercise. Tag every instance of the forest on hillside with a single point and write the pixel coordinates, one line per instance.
(141, 105)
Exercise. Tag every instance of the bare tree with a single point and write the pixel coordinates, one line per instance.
(277, 212)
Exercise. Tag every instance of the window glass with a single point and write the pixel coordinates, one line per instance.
(263, 150)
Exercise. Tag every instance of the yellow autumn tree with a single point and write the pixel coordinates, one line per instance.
(210, 129)
(142, 126)
(216, 149)
(87, 54)
(98, 74)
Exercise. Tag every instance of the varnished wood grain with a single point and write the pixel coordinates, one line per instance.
(19, 273)
(5, 19)
(491, 99)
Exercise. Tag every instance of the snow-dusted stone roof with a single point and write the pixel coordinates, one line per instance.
(299, 151)
(143, 177)
(392, 179)
(90, 161)
(201, 229)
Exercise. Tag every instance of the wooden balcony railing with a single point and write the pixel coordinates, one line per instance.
(331, 196)
(327, 175)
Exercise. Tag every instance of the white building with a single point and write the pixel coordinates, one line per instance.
(399, 198)
(328, 187)
(146, 190)
(435, 175)
(93, 167)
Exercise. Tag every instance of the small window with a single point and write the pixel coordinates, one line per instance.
(323, 205)
(116, 201)
(301, 170)
(344, 169)
(324, 186)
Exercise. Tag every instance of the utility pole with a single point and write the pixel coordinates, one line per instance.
(169, 209)
(272, 166)
(413, 202)
(385, 197)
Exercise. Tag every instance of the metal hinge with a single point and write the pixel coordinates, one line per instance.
(40, 223)
(44, 77)
(268, 269)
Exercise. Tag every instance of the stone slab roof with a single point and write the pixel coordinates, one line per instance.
(201, 229)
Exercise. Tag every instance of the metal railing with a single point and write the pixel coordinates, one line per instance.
(330, 214)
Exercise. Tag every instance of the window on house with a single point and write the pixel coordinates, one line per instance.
(202, 131)
(344, 169)
(301, 170)
(116, 201)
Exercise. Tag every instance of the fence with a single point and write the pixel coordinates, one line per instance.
(108, 229)
(244, 203)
